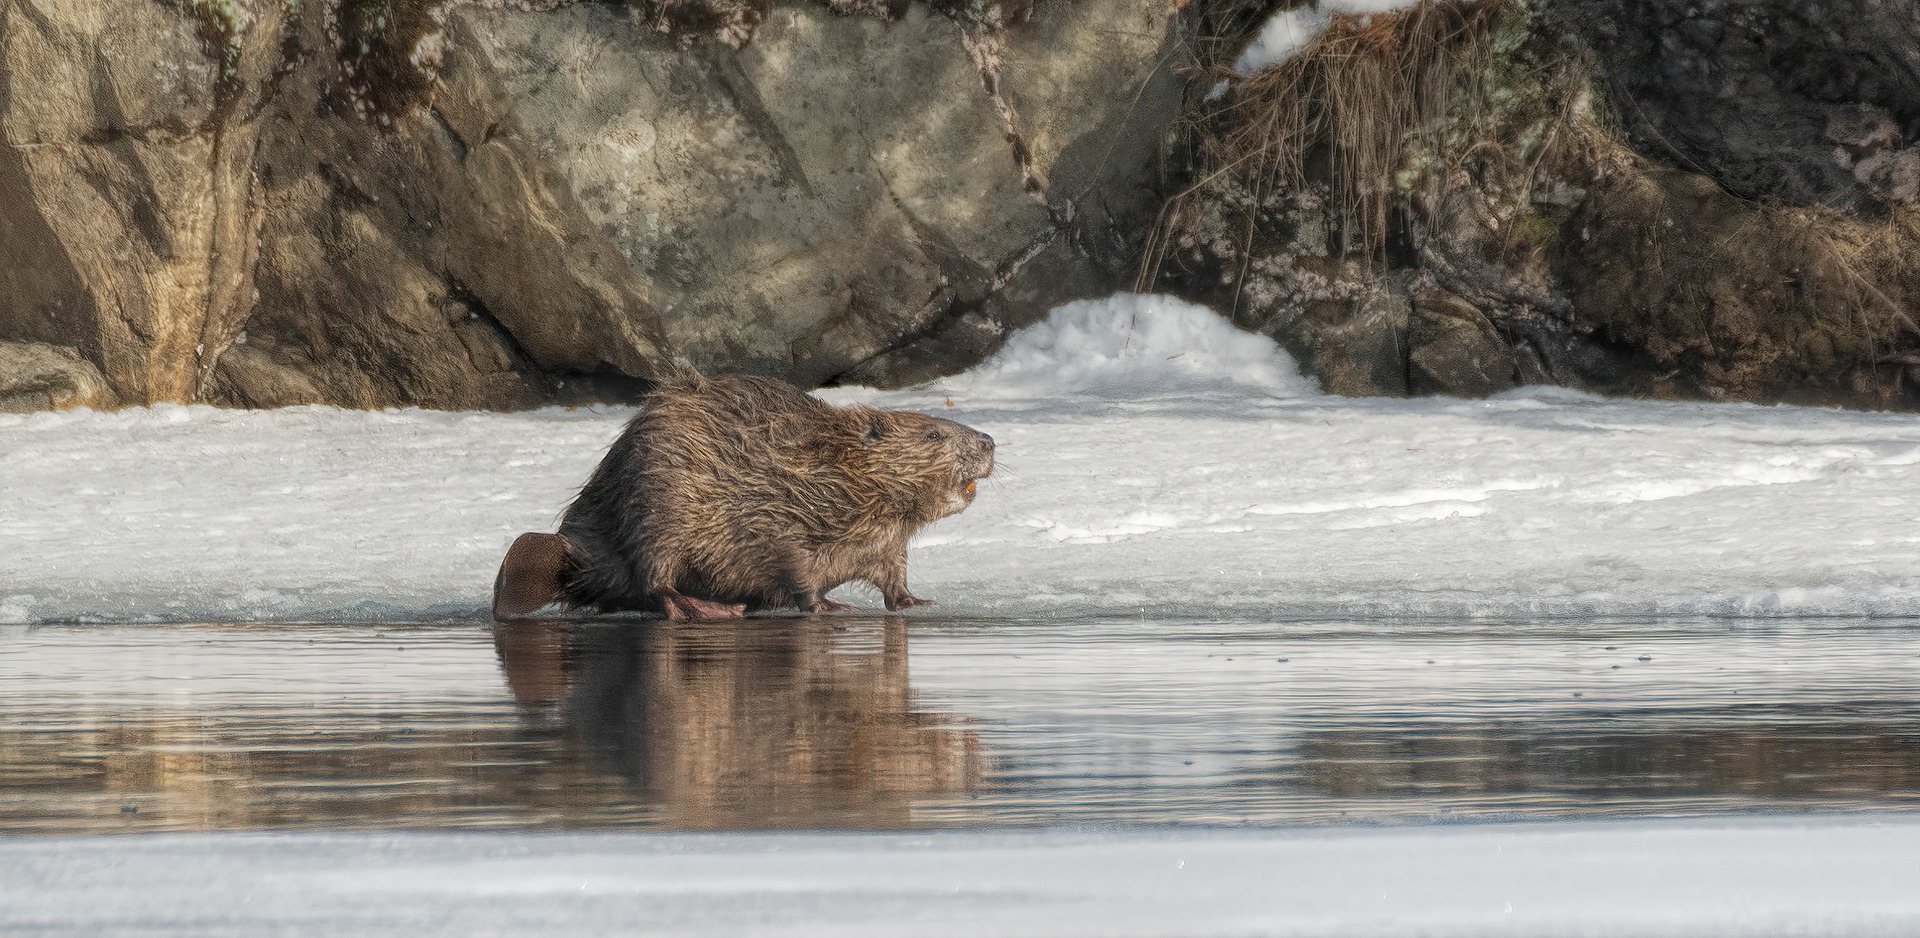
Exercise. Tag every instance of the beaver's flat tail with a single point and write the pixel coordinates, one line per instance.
(532, 575)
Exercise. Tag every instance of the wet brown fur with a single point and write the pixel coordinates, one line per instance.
(744, 491)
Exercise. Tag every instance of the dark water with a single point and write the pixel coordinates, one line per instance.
(887, 722)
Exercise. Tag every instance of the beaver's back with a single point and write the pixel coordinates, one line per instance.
(721, 481)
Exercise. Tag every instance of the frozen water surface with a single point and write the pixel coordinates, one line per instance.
(1153, 462)
(1763, 878)
(1216, 655)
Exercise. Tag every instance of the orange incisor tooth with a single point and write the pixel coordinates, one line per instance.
(970, 487)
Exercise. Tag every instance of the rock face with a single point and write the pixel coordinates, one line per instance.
(109, 211)
(1456, 350)
(1660, 197)
(451, 203)
(36, 376)
(1758, 93)
(459, 206)
(841, 188)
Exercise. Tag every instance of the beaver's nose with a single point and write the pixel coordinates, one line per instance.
(986, 442)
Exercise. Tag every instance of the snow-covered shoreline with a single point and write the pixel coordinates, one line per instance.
(1154, 462)
(1787, 876)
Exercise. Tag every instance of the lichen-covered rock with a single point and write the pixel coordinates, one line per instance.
(1747, 238)
(1356, 348)
(1872, 146)
(455, 205)
(1744, 90)
(1455, 350)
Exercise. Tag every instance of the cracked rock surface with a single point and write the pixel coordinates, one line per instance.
(575, 204)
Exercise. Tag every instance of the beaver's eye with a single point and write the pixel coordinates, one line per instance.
(933, 434)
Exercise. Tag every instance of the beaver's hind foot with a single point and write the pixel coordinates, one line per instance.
(828, 605)
(681, 606)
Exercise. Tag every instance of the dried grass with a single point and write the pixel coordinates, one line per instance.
(1870, 261)
(1340, 112)
(1472, 129)
(1760, 301)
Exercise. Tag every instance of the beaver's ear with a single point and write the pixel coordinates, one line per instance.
(872, 429)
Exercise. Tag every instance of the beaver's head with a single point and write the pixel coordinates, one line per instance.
(938, 460)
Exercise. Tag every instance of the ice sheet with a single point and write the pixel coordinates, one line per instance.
(1798, 877)
(1153, 461)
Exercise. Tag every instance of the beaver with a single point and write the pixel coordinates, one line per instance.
(725, 495)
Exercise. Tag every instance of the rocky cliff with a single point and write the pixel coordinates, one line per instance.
(468, 204)
(381, 202)
(1717, 200)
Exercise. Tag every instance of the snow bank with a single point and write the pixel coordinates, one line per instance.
(1283, 36)
(1152, 462)
(1808, 877)
(1129, 347)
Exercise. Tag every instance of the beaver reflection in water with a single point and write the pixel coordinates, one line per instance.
(730, 494)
